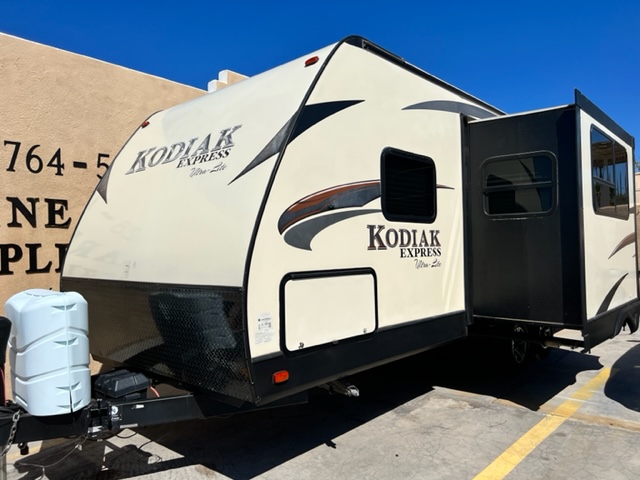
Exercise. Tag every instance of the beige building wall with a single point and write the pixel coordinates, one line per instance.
(63, 118)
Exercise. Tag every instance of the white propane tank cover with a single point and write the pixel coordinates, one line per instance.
(49, 351)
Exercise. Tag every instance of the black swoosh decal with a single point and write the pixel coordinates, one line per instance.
(270, 149)
(301, 235)
(309, 116)
(453, 107)
(355, 194)
(102, 186)
(312, 114)
(628, 240)
(607, 300)
(334, 198)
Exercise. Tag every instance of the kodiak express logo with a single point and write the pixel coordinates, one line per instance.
(183, 153)
(411, 243)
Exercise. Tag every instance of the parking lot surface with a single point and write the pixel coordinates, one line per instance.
(458, 412)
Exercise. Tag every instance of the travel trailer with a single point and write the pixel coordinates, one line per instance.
(335, 213)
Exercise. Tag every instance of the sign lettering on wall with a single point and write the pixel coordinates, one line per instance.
(27, 157)
(35, 212)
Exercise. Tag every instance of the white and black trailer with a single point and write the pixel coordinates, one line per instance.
(341, 211)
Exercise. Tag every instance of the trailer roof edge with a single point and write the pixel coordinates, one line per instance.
(592, 109)
(522, 114)
(361, 42)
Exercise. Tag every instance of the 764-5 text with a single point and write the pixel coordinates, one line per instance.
(34, 163)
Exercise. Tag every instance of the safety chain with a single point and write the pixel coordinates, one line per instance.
(12, 433)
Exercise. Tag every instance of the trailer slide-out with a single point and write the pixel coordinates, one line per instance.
(340, 211)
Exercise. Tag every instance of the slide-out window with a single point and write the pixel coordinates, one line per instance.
(520, 185)
(610, 177)
(408, 186)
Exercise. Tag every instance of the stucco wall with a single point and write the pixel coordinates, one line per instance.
(63, 118)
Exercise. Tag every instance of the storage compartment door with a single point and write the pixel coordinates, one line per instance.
(328, 308)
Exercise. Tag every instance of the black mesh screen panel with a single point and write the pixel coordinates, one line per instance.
(193, 336)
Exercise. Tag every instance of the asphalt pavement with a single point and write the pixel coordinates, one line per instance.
(459, 412)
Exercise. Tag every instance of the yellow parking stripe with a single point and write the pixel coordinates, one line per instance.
(518, 451)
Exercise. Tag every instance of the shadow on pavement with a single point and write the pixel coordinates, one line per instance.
(249, 444)
(484, 366)
(626, 379)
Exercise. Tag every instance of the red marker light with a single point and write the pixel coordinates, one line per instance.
(280, 377)
(144, 124)
(311, 61)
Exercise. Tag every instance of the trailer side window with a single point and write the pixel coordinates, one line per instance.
(520, 185)
(408, 186)
(610, 178)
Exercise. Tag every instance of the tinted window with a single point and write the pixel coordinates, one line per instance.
(408, 186)
(519, 185)
(610, 178)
